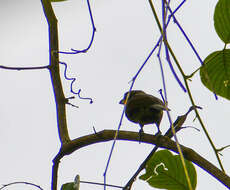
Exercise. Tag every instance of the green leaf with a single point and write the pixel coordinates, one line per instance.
(215, 73)
(222, 20)
(165, 171)
(68, 186)
(57, 0)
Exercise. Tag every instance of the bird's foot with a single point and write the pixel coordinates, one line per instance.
(158, 134)
(140, 135)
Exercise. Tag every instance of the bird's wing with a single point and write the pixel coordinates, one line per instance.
(147, 101)
(159, 107)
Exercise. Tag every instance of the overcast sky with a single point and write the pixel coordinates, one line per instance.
(126, 33)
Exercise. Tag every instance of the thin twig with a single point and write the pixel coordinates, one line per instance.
(71, 84)
(74, 51)
(21, 182)
(24, 68)
(95, 183)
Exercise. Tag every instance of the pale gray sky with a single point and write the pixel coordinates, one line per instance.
(126, 32)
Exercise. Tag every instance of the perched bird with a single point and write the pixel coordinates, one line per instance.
(143, 108)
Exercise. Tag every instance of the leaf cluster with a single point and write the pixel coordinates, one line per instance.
(215, 72)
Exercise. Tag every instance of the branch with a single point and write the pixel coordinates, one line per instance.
(24, 68)
(54, 71)
(21, 182)
(56, 81)
(160, 141)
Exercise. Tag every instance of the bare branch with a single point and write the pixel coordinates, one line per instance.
(160, 141)
(60, 99)
(24, 68)
(21, 182)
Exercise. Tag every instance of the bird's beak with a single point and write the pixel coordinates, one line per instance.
(122, 101)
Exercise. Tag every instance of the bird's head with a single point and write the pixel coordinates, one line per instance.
(129, 95)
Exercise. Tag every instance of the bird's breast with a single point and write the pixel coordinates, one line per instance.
(143, 115)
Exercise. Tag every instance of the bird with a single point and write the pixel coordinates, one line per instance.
(143, 109)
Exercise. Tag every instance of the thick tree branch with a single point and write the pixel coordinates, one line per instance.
(56, 82)
(160, 141)
(54, 71)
